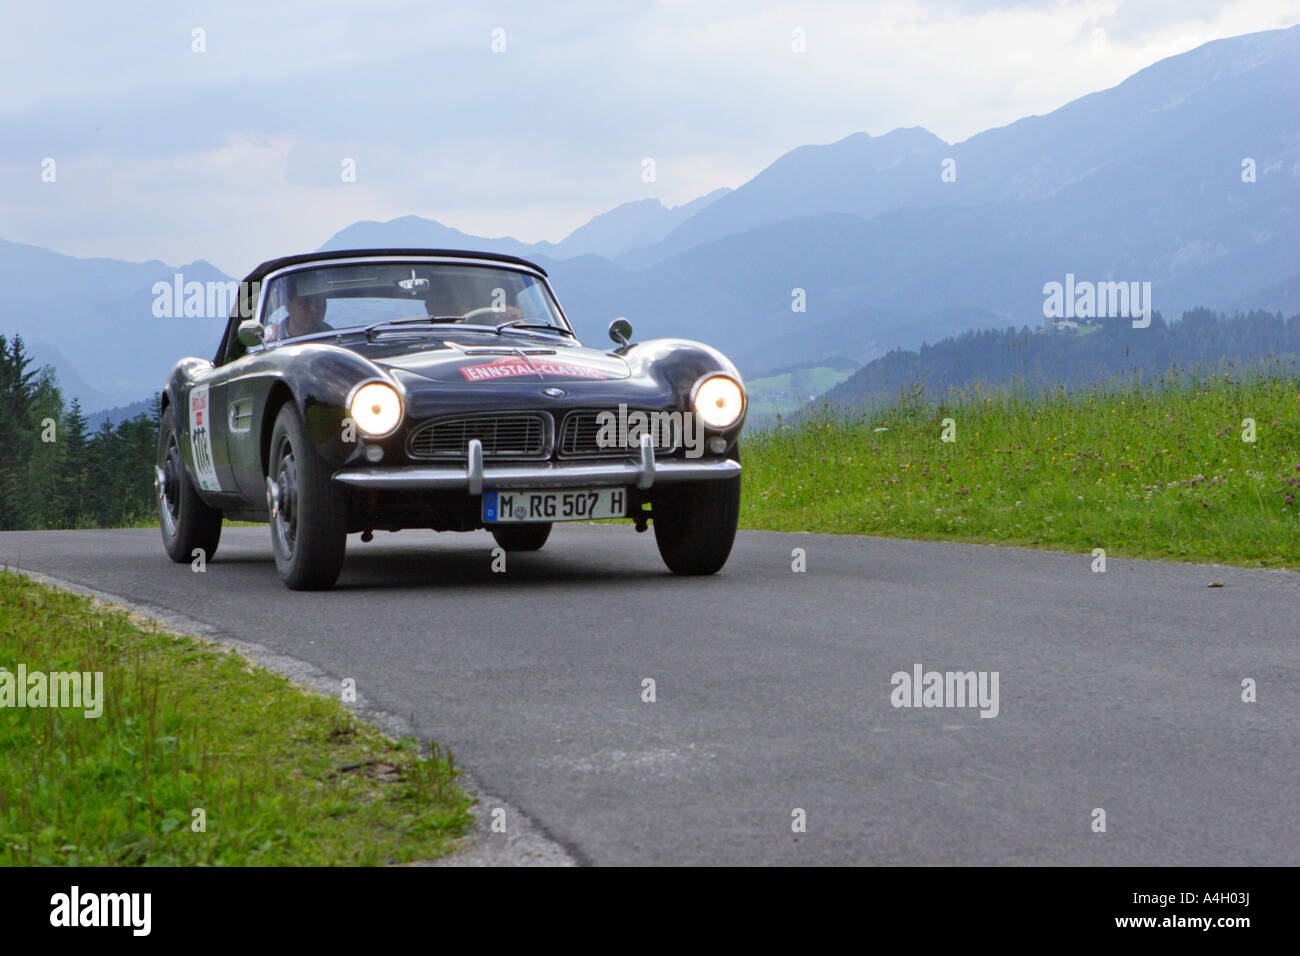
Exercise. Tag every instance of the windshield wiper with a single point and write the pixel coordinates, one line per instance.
(430, 320)
(418, 320)
(525, 324)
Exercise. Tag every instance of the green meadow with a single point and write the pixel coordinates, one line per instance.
(1198, 469)
(198, 757)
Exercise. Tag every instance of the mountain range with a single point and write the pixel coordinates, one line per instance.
(1186, 175)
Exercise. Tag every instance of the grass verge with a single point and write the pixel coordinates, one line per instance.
(282, 776)
(1165, 472)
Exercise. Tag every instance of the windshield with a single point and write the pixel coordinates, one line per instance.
(331, 298)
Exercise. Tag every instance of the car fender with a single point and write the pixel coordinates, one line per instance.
(680, 364)
(319, 379)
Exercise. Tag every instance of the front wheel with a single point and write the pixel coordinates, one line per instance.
(187, 523)
(695, 524)
(308, 515)
(522, 537)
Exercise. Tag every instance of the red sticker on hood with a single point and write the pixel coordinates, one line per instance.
(514, 366)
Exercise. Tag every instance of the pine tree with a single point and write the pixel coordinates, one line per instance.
(40, 500)
(17, 389)
(105, 484)
(71, 485)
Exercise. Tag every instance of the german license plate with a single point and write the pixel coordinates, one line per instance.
(570, 504)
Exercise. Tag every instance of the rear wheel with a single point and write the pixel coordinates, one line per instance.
(695, 524)
(187, 523)
(522, 537)
(309, 517)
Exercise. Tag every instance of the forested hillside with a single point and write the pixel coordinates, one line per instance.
(54, 471)
(1076, 357)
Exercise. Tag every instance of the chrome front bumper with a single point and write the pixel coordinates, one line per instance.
(473, 476)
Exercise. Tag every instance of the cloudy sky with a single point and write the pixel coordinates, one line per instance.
(501, 119)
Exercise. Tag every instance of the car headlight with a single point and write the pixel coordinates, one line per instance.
(376, 408)
(719, 401)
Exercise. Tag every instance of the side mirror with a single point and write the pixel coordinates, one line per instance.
(620, 331)
(250, 332)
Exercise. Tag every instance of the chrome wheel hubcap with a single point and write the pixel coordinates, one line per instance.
(167, 481)
(282, 490)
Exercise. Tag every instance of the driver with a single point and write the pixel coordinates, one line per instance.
(306, 315)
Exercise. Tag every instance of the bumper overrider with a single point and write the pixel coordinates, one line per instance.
(473, 476)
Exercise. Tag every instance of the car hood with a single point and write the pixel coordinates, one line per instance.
(526, 362)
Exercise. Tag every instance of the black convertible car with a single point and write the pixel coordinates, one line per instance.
(419, 388)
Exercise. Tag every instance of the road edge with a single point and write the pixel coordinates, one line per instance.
(525, 843)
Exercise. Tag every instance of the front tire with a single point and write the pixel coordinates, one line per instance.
(522, 537)
(695, 524)
(309, 526)
(188, 523)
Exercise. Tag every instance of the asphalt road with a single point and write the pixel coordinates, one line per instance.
(1120, 691)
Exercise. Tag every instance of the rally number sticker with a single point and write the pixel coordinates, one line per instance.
(205, 470)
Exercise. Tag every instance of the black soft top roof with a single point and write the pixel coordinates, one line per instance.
(271, 265)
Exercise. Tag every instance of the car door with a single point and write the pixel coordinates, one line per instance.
(250, 378)
(246, 398)
(219, 420)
